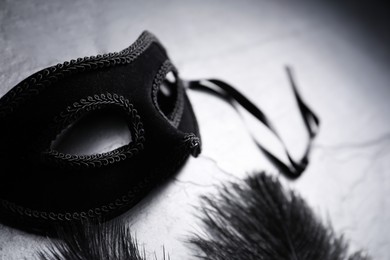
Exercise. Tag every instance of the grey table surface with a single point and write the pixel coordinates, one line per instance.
(341, 65)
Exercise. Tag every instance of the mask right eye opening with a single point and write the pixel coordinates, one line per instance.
(167, 95)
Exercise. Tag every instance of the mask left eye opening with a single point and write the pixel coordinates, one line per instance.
(95, 132)
(99, 154)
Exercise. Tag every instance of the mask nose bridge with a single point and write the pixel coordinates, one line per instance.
(134, 83)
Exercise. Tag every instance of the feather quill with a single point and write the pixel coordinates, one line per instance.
(259, 219)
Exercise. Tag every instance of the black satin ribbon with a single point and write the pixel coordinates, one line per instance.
(311, 121)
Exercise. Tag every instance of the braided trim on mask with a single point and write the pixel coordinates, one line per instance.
(131, 196)
(34, 84)
(175, 117)
(91, 103)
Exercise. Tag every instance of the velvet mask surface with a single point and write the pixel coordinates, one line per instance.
(41, 186)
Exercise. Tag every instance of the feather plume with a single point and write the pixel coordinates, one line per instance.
(255, 219)
(259, 219)
(105, 241)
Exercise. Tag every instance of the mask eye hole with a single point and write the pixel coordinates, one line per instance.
(167, 95)
(97, 132)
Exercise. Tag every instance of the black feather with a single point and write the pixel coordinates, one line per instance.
(107, 241)
(259, 219)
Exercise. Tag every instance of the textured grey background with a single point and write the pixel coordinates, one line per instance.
(341, 59)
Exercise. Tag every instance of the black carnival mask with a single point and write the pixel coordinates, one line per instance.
(41, 186)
